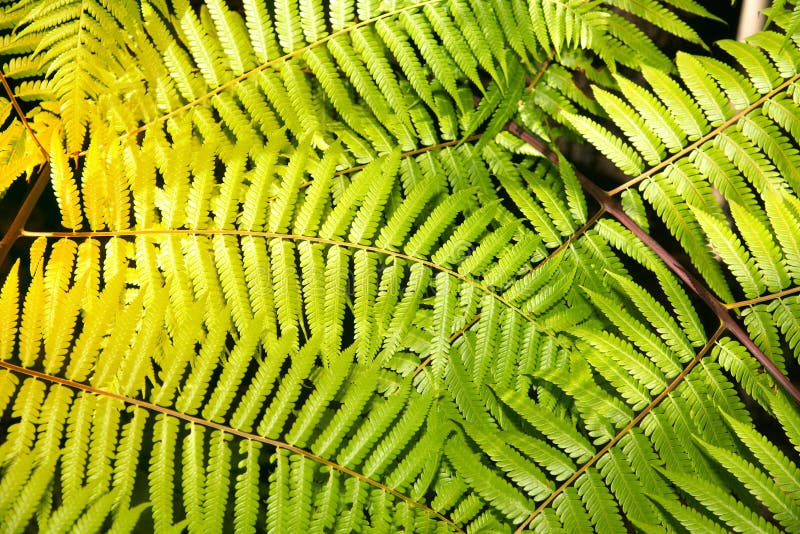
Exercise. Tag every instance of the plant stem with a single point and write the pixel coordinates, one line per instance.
(15, 230)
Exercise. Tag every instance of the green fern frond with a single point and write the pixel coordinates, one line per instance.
(624, 157)
(730, 249)
(328, 285)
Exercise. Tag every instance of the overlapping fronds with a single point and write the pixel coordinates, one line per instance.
(307, 282)
(745, 152)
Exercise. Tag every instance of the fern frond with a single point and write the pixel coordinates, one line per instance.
(706, 93)
(733, 358)
(756, 481)
(571, 512)
(487, 484)
(761, 72)
(721, 504)
(635, 130)
(690, 518)
(611, 146)
(782, 221)
(64, 185)
(320, 238)
(683, 109)
(566, 437)
(730, 249)
(161, 471)
(665, 18)
(9, 309)
(766, 254)
(737, 88)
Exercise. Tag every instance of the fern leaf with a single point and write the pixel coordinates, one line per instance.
(285, 284)
(288, 26)
(560, 433)
(785, 473)
(723, 505)
(193, 475)
(571, 512)
(765, 252)
(402, 432)
(372, 52)
(706, 93)
(683, 109)
(789, 421)
(684, 225)
(599, 502)
(634, 207)
(64, 185)
(127, 456)
(622, 481)
(756, 481)
(762, 73)
(611, 146)
(374, 427)
(735, 359)
(328, 386)
(261, 385)
(353, 404)
(206, 54)
(161, 471)
(25, 502)
(690, 518)
(246, 488)
(466, 397)
(324, 513)
(642, 138)
(639, 334)
(737, 88)
(730, 249)
(278, 411)
(759, 322)
(106, 416)
(337, 268)
(217, 481)
(367, 219)
(429, 232)
(783, 223)
(397, 42)
(661, 16)
(784, 315)
(279, 499)
(418, 467)
(520, 470)
(9, 309)
(486, 483)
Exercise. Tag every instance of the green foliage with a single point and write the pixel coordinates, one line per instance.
(307, 281)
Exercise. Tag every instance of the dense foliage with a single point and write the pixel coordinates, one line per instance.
(323, 267)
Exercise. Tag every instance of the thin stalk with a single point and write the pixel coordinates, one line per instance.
(16, 229)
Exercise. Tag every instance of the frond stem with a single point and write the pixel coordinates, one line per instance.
(410, 153)
(763, 298)
(224, 428)
(635, 421)
(290, 237)
(710, 135)
(540, 73)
